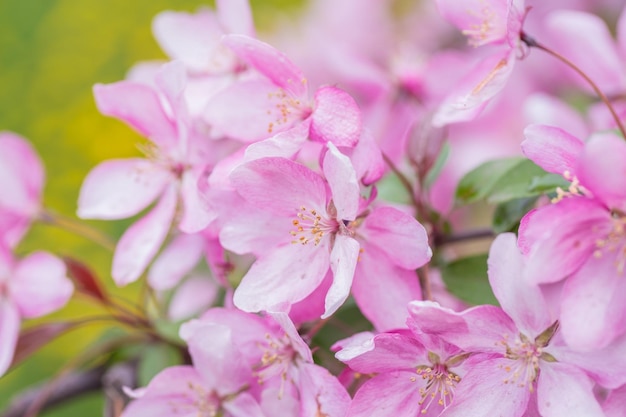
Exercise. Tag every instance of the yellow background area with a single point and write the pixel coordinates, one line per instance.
(51, 54)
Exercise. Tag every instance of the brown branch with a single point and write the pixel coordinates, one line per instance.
(70, 386)
(441, 240)
(109, 379)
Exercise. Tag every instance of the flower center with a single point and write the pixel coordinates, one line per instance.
(207, 404)
(439, 388)
(311, 226)
(278, 356)
(285, 110)
(526, 356)
(480, 31)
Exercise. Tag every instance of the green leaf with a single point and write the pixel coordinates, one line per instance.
(548, 183)
(516, 183)
(154, 358)
(505, 180)
(467, 279)
(479, 182)
(434, 172)
(507, 215)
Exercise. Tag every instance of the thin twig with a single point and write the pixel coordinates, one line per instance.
(76, 227)
(424, 279)
(531, 42)
(403, 179)
(441, 240)
(69, 386)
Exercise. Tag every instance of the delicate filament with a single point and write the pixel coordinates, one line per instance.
(311, 226)
(284, 108)
(278, 355)
(440, 384)
(479, 32)
(525, 367)
(207, 404)
(574, 189)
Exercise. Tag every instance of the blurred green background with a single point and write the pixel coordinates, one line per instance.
(51, 54)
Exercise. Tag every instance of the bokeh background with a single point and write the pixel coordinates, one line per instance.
(51, 54)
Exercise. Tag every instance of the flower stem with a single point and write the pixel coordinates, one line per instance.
(531, 42)
(403, 179)
(78, 228)
(422, 274)
(441, 240)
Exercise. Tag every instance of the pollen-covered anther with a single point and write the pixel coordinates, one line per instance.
(285, 109)
(276, 360)
(479, 32)
(311, 226)
(440, 385)
(524, 368)
(575, 189)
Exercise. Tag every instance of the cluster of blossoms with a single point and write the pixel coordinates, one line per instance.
(263, 211)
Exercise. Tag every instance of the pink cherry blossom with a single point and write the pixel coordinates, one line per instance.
(414, 373)
(218, 381)
(30, 287)
(286, 379)
(497, 22)
(579, 238)
(313, 225)
(257, 108)
(520, 358)
(177, 158)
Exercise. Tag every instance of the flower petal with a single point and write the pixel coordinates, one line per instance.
(551, 148)
(343, 183)
(382, 290)
(586, 41)
(173, 392)
(39, 285)
(557, 239)
(483, 392)
(193, 39)
(282, 277)
(398, 235)
(522, 301)
(195, 216)
(120, 188)
(336, 118)
(388, 394)
(269, 61)
(602, 169)
(471, 94)
(221, 366)
(249, 111)
(279, 185)
(142, 240)
(284, 144)
(564, 390)
(176, 260)
(343, 259)
(140, 107)
(9, 331)
(235, 16)
(193, 297)
(321, 393)
(21, 175)
(386, 352)
(593, 304)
